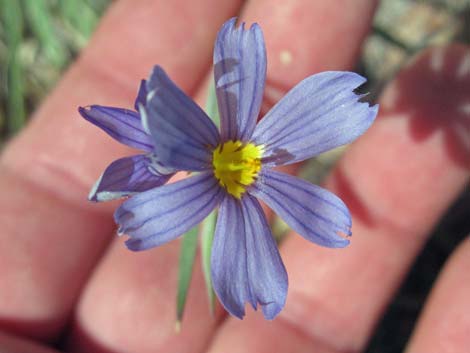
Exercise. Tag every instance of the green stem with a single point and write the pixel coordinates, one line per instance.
(186, 263)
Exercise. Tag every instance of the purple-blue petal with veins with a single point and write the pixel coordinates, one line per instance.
(122, 124)
(239, 73)
(182, 133)
(245, 261)
(315, 213)
(128, 176)
(141, 98)
(157, 216)
(320, 113)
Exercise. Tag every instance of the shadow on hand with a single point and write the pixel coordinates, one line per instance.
(434, 91)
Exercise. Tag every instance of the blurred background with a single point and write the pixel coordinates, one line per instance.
(40, 38)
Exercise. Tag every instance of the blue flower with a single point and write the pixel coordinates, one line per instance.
(234, 167)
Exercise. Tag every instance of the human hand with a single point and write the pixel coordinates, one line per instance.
(55, 239)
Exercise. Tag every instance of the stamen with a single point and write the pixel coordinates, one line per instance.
(236, 165)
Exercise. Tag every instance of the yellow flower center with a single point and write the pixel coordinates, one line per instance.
(236, 165)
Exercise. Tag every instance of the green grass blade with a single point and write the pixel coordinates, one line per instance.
(40, 21)
(186, 262)
(208, 226)
(12, 19)
(207, 237)
(80, 15)
(16, 109)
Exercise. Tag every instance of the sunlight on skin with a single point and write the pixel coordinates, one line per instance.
(445, 317)
(73, 161)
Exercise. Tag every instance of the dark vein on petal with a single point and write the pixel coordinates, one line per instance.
(180, 222)
(304, 225)
(273, 176)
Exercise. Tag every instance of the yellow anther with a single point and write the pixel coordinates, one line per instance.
(236, 165)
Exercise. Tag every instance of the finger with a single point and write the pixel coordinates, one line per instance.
(302, 41)
(51, 237)
(93, 319)
(396, 186)
(444, 325)
(11, 344)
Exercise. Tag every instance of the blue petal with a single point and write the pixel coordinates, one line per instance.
(141, 98)
(245, 263)
(183, 134)
(313, 212)
(121, 124)
(157, 216)
(128, 176)
(240, 72)
(320, 113)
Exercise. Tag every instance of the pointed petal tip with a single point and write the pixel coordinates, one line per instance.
(374, 110)
(122, 215)
(339, 240)
(120, 231)
(238, 314)
(342, 237)
(141, 94)
(234, 24)
(230, 22)
(123, 125)
(339, 243)
(336, 243)
(271, 310)
(135, 244)
(92, 194)
(84, 111)
(92, 197)
(155, 69)
(358, 80)
(255, 26)
(87, 111)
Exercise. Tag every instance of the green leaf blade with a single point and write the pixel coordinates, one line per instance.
(208, 225)
(207, 237)
(185, 270)
(41, 20)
